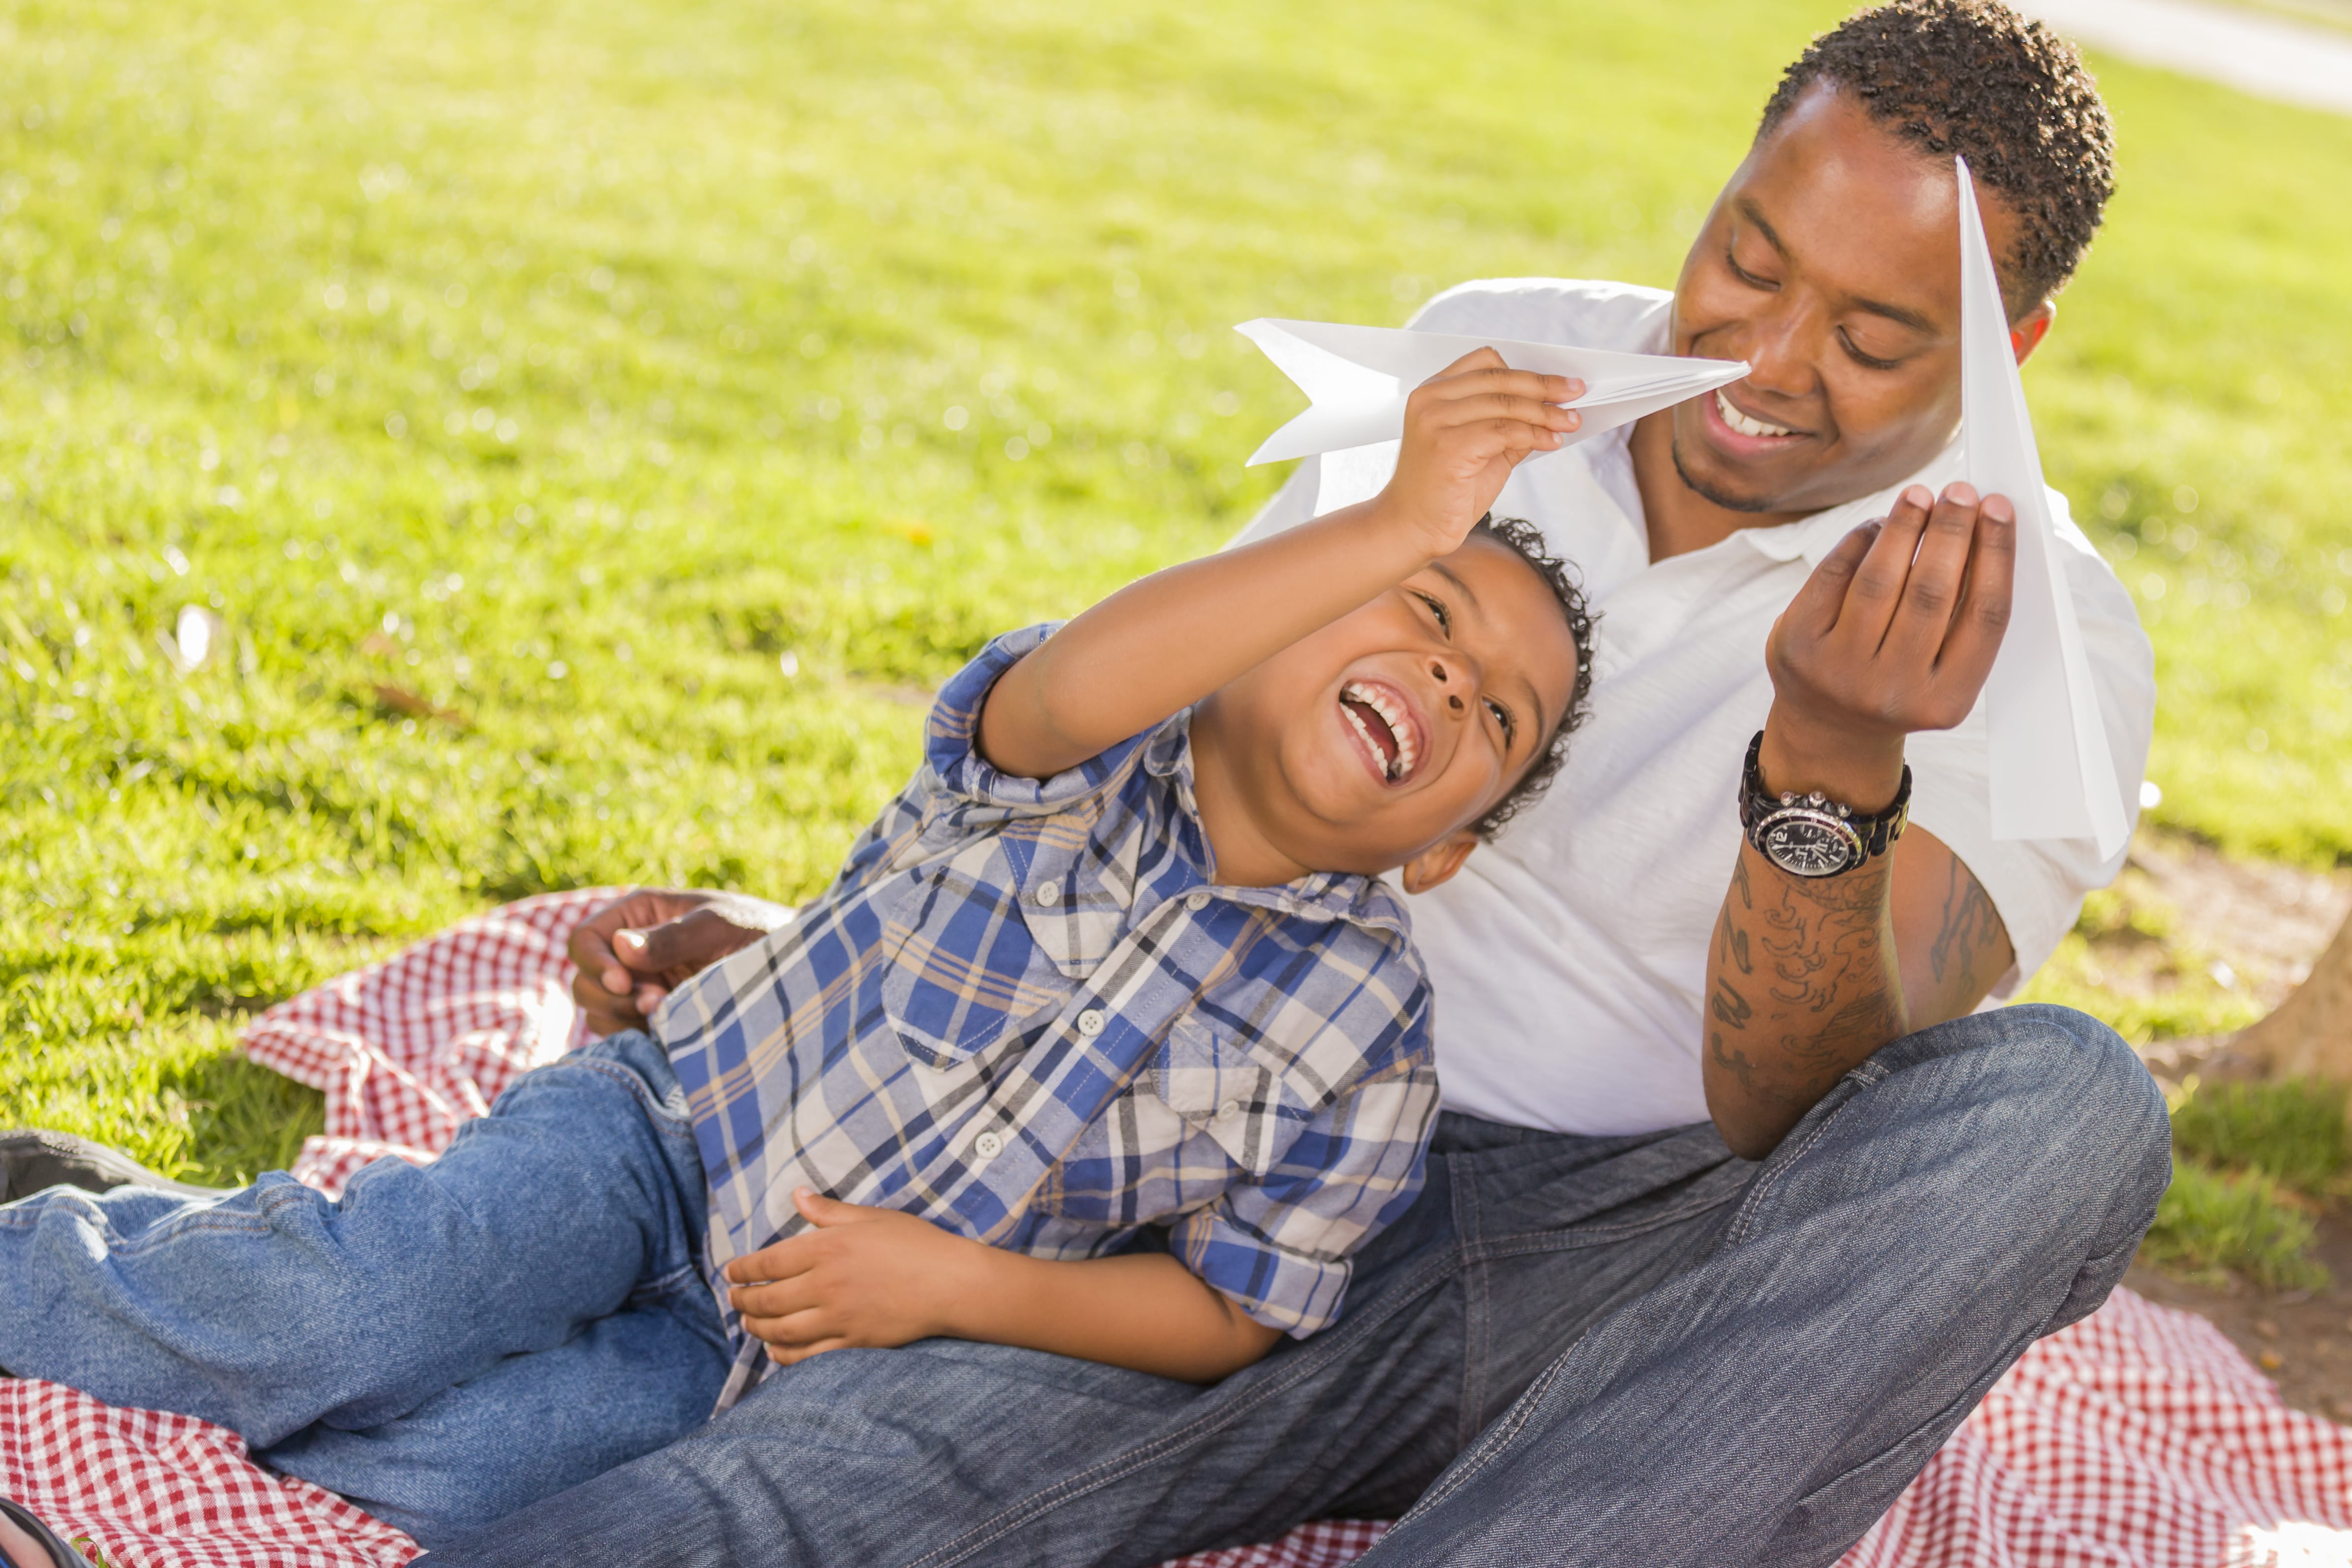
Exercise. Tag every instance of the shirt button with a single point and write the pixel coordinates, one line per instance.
(1090, 1022)
(1197, 900)
(1229, 1110)
(988, 1145)
(1050, 894)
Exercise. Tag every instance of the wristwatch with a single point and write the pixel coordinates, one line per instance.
(1812, 835)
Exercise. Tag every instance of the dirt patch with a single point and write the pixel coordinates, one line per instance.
(2301, 1338)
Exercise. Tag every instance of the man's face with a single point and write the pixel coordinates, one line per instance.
(1830, 264)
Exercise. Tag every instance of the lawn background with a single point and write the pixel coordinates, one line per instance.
(507, 396)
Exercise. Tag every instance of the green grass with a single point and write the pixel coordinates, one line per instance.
(2290, 1131)
(521, 388)
(2210, 1226)
(2252, 1163)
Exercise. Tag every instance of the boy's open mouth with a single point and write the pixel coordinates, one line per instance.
(1380, 720)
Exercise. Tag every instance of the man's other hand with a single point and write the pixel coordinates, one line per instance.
(631, 952)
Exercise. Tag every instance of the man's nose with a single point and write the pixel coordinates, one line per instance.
(1448, 681)
(1782, 348)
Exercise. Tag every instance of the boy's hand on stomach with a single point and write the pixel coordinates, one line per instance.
(864, 1277)
(1465, 429)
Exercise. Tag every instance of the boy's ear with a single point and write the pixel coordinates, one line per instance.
(1435, 865)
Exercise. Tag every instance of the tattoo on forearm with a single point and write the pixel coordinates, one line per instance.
(1732, 1061)
(1823, 952)
(1731, 943)
(1971, 926)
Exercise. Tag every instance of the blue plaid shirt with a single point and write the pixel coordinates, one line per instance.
(1025, 1012)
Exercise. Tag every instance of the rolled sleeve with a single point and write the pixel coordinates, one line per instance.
(1279, 1246)
(952, 738)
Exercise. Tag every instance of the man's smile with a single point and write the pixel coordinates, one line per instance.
(1386, 731)
(1738, 431)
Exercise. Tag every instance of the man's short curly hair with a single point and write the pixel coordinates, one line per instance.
(1527, 541)
(1972, 76)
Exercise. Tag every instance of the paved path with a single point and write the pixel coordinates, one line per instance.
(2270, 56)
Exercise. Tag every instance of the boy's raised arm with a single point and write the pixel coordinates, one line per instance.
(1170, 640)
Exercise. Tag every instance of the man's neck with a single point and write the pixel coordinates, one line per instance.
(1680, 519)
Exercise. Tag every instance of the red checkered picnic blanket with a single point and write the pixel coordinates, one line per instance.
(2138, 1439)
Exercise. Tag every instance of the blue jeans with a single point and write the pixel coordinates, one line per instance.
(1573, 1350)
(445, 1344)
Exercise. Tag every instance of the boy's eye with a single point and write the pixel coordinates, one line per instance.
(1437, 608)
(1503, 717)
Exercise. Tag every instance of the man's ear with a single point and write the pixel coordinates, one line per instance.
(2026, 335)
(1435, 865)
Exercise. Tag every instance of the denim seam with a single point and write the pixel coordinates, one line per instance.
(1326, 1346)
(1515, 1420)
(1475, 1299)
(1496, 1438)
(1743, 1223)
(1569, 1239)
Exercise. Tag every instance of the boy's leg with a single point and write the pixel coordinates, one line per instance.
(532, 1424)
(270, 1309)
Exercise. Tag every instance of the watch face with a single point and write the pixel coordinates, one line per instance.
(1809, 844)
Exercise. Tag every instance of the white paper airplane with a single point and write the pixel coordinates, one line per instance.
(1359, 378)
(2053, 776)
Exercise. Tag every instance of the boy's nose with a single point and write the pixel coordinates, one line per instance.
(1437, 673)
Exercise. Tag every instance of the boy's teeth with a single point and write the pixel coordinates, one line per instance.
(1391, 715)
(1742, 424)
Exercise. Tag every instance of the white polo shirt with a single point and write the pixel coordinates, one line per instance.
(1570, 957)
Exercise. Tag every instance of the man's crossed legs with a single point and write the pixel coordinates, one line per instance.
(1573, 1350)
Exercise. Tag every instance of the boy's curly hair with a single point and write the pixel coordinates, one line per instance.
(1527, 541)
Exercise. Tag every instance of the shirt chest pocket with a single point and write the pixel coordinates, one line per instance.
(1218, 1088)
(960, 968)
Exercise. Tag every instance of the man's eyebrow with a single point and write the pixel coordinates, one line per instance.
(1899, 314)
(1754, 215)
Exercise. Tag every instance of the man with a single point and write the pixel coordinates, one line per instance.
(1737, 1210)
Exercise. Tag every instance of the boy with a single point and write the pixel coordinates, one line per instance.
(1115, 959)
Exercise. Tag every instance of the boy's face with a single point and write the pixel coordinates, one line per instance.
(1377, 741)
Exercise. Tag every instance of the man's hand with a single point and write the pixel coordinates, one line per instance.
(1894, 631)
(872, 1277)
(631, 952)
(1465, 428)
